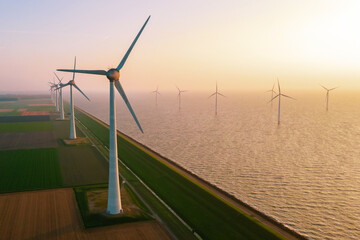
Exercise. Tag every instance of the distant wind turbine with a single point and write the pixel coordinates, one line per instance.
(156, 94)
(71, 83)
(279, 95)
(56, 95)
(113, 74)
(272, 93)
(61, 98)
(179, 96)
(327, 96)
(216, 93)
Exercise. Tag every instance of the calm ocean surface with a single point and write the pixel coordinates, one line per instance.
(305, 172)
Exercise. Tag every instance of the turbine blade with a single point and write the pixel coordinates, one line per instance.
(287, 96)
(123, 95)
(63, 85)
(274, 98)
(81, 91)
(57, 77)
(325, 88)
(333, 88)
(221, 94)
(74, 68)
(279, 86)
(96, 72)
(212, 95)
(131, 46)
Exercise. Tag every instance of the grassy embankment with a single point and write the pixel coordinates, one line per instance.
(208, 215)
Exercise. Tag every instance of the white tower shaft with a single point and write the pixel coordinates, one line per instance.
(61, 105)
(56, 101)
(114, 200)
(72, 120)
(279, 109)
(327, 101)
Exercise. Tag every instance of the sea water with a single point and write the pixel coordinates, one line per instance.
(304, 172)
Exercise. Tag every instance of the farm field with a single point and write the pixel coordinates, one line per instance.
(82, 165)
(22, 170)
(27, 140)
(25, 126)
(52, 214)
(200, 209)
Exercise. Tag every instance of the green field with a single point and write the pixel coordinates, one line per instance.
(29, 170)
(209, 216)
(101, 219)
(25, 126)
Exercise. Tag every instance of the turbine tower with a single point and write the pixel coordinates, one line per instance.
(61, 98)
(156, 94)
(272, 93)
(179, 96)
(56, 96)
(114, 200)
(216, 93)
(71, 83)
(327, 96)
(279, 95)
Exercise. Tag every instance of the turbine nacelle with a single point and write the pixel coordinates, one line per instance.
(113, 75)
(72, 82)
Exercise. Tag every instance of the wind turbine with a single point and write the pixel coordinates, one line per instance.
(179, 96)
(216, 93)
(272, 93)
(113, 74)
(279, 95)
(156, 94)
(61, 98)
(72, 117)
(54, 85)
(327, 96)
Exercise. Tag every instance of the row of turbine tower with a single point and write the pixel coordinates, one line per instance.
(272, 91)
(113, 75)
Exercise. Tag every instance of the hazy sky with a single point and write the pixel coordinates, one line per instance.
(191, 43)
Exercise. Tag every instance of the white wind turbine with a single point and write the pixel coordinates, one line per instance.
(279, 95)
(54, 85)
(179, 95)
(61, 98)
(156, 94)
(272, 93)
(114, 200)
(216, 93)
(327, 96)
(72, 117)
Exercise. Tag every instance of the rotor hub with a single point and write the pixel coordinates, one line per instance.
(72, 82)
(113, 75)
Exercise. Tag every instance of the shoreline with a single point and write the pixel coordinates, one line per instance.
(268, 221)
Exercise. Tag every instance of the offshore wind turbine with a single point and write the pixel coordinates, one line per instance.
(113, 74)
(280, 95)
(156, 94)
(216, 93)
(179, 96)
(272, 93)
(71, 83)
(327, 96)
(61, 98)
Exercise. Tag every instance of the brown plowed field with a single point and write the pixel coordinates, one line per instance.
(53, 214)
(27, 140)
(34, 113)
